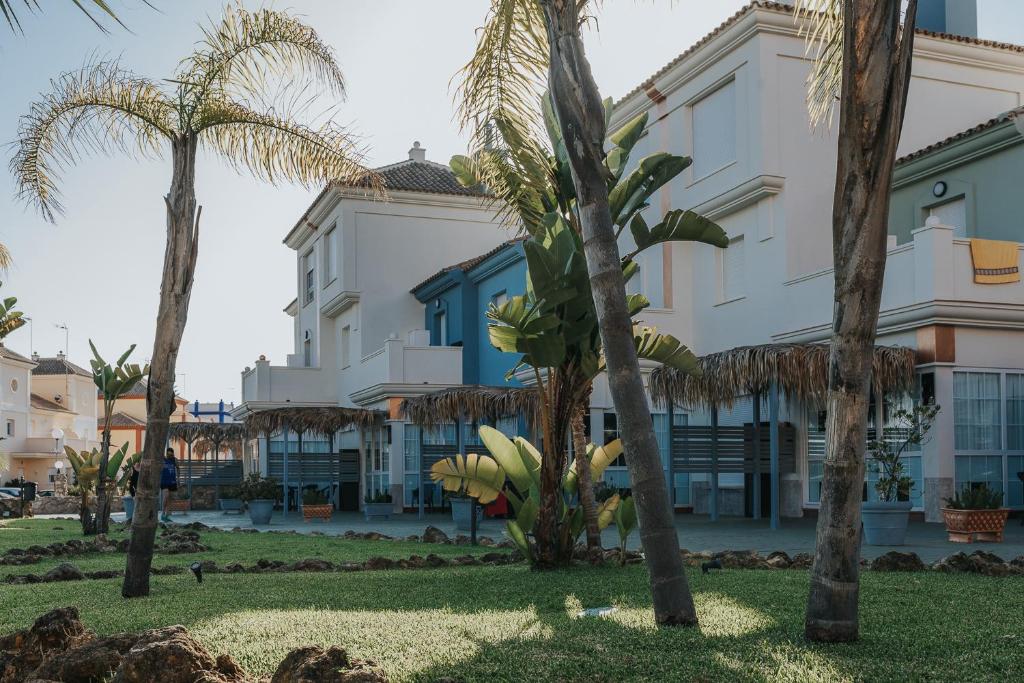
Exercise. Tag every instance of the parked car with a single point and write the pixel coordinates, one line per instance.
(10, 491)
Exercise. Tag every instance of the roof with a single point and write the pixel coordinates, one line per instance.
(58, 366)
(14, 355)
(788, 8)
(424, 176)
(469, 264)
(962, 135)
(139, 391)
(122, 420)
(41, 403)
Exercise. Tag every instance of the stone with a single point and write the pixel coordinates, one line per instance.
(778, 560)
(433, 560)
(312, 565)
(802, 561)
(413, 537)
(65, 571)
(494, 558)
(313, 664)
(978, 562)
(740, 559)
(462, 539)
(434, 535)
(375, 563)
(104, 574)
(486, 541)
(895, 561)
(53, 632)
(465, 560)
(234, 568)
(172, 656)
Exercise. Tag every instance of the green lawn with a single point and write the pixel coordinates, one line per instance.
(225, 547)
(509, 623)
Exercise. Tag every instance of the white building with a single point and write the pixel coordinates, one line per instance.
(43, 397)
(735, 102)
(359, 337)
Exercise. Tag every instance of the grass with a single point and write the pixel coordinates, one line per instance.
(225, 547)
(509, 623)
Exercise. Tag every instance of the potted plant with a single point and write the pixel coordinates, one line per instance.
(181, 501)
(975, 513)
(230, 499)
(462, 511)
(260, 495)
(377, 506)
(315, 505)
(885, 520)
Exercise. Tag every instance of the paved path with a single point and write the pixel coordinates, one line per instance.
(696, 532)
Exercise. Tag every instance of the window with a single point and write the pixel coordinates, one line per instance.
(734, 279)
(714, 131)
(1014, 414)
(310, 275)
(500, 299)
(952, 213)
(346, 341)
(441, 328)
(307, 353)
(976, 411)
(14, 385)
(330, 255)
(412, 458)
(10, 428)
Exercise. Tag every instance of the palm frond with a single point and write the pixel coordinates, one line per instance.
(238, 55)
(7, 9)
(273, 148)
(822, 27)
(504, 81)
(101, 108)
(6, 260)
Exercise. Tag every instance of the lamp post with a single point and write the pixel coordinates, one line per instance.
(59, 482)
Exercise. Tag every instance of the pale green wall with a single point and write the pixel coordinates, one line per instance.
(986, 168)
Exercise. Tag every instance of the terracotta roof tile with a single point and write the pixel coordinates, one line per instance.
(41, 403)
(59, 366)
(468, 264)
(13, 355)
(122, 420)
(985, 125)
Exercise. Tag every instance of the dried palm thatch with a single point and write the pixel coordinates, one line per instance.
(801, 371)
(186, 431)
(216, 432)
(471, 403)
(324, 421)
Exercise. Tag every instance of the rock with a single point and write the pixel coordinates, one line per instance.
(486, 541)
(312, 565)
(462, 539)
(379, 563)
(65, 571)
(234, 568)
(978, 562)
(173, 656)
(53, 632)
(802, 561)
(465, 560)
(433, 560)
(315, 665)
(507, 543)
(413, 537)
(415, 562)
(104, 574)
(494, 558)
(434, 535)
(740, 559)
(778, 560)
(895, 561)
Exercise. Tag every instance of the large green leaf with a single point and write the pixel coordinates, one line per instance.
(518, 536)
(508, 456)
(599, 459)
(527, 515)
(625, 518)
(479, 476)
(623, 141)
(677, 226)
(663, 348)
(606, 511)
(651, 173)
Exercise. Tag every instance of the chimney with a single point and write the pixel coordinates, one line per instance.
(35, 356)
(60, 355)
(417, 153)
(957, 17)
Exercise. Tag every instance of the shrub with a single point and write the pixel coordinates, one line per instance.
(314, 497)
(255, 487)
(978, 497)
(378, 497)
(230, 492)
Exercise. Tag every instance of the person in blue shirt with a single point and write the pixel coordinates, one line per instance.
(168, 483)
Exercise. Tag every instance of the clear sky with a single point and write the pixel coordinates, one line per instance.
(98, 269)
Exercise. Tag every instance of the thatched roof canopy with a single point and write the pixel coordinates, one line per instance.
(209, 431)
(801, 371)
(471, 403)
(322, 421)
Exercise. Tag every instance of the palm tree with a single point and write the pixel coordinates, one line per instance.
(864, 58)
(210, 102)
(7, 9)
(524, 45)
(10, 319)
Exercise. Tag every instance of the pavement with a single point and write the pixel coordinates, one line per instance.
(696, 532)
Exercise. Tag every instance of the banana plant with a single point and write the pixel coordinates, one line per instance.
(514, 470)
(625, 522)
(87, 466)
(113, 382)
(10, 320)
(553, 326)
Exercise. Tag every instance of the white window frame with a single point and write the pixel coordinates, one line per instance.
(345, 346)
(330, 256)
(308, 270)
(697, 170)
(722, 256)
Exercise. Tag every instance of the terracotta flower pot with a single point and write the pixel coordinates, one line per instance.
(311, 512)
(965, 526)
(181, 504)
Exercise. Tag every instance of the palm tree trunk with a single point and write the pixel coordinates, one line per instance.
(175, 289)
(876, 74)
(581, 116)
(585, 480)
(102, 500)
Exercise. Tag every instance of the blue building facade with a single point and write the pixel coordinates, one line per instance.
(455, 299)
